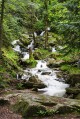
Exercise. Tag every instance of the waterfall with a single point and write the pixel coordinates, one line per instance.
(53, 49)
(54, 87)
(42, 33)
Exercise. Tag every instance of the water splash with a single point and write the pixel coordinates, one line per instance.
(54, 87)
(53, 49)
(42, 33)
(17, 48)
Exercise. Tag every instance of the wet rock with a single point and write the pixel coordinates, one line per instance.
(34, 79)
(45, 73)
(39, 86)
(27, 85)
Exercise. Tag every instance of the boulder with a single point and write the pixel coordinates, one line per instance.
(73, 79)
(53, 63)
(34, 79)
(74, 91)
(29, 104)
(45, 73)
(39, 85)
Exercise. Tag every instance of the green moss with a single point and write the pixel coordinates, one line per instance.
(31, 63)
(43, 53)
(70, 69)
(21, 107)
(8, 66)
(10, 57)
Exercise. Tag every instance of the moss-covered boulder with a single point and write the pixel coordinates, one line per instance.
(68, 109)
(34, 110)
(34, 79)
(73, 79)
(73, 91)
(53, 63)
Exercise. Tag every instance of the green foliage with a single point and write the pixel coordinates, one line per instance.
(70, 69)
(21, 107)
(10, 58)
(19, 86)
(31, 63)
(42, 52)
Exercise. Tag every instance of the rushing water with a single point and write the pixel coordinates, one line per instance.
(54, 87)
(53, 49)
(45, 74)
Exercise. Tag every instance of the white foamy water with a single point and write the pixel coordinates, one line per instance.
(42, 33)
(35, 34)
(31, 45)
(45, 74)
(17, 48)
(15, 42)
(54, 87)
(25, 56)
(53, 49)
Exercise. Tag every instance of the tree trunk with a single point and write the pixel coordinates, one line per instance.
(46, 23)
(1, 26)
(46, 36)
(34, 39)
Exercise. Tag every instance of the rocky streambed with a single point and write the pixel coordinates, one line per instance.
(43, 89)
(54, 86)
(32, 104)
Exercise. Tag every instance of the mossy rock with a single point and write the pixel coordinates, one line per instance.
(27, 110)
(34, 79)
(65, 109)
(78, 96)
(49, 104)
(73, 79)
(34, 110)
(21, 107)
(53, 64)
(73, 91)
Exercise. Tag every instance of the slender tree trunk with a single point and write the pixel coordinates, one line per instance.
(1, 26)
(46, 23)
(46, 36)
(32, 22)
(34, 39)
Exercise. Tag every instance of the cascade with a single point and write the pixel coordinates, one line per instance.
(54, 86)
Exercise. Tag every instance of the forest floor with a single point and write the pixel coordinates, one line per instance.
(6, 113)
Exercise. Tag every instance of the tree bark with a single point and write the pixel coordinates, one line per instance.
(1, 26)
(46, 23)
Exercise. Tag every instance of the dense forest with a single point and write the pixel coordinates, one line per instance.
(39, 59)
